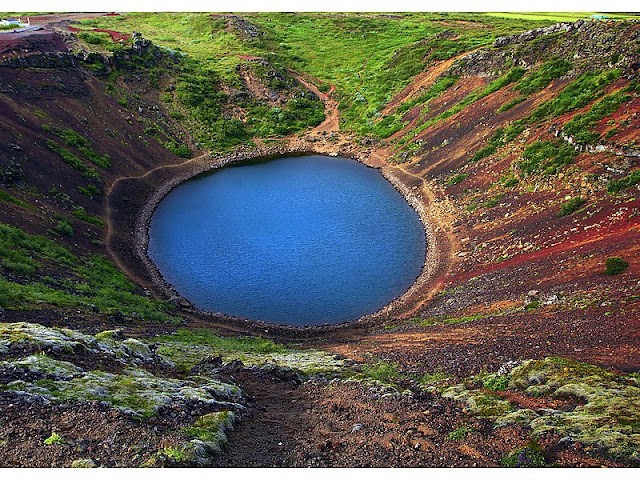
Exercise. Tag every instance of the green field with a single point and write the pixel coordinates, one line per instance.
(368, 56)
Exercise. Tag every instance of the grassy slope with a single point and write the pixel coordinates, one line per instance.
(368, 57)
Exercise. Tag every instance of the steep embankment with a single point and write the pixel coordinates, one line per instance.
(523, 152)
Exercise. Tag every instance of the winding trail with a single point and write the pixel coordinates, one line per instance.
(326, 138)
(132, 275)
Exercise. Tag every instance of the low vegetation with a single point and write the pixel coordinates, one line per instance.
(30, 279)
(615, 266)
(571, 205)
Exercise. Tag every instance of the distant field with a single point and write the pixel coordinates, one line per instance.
(559, 16)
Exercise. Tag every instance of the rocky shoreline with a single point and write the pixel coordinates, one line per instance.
(150, 189)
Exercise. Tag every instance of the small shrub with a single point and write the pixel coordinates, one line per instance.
(460, 433)
(54, 439)
(63, 227)
(630, 180)
(456, 179)
(382, 371)
(571, 206)
(90, 190)
(497, 383)
(531, 455)
(615, 266)
(81, 214)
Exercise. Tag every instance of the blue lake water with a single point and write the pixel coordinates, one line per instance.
(297, 240)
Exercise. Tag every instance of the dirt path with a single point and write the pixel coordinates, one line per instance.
(109, 212)
(331, 122)
(424, 79)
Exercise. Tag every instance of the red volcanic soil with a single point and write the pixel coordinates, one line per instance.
(115, 36)
(26, 43)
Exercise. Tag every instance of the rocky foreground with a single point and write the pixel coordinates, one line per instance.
(70, 399)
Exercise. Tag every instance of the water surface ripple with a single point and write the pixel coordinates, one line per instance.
(297, 240)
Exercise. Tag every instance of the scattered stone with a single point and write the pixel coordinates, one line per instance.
(83, 463)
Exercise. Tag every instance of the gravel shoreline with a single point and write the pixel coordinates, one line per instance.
(160, 188)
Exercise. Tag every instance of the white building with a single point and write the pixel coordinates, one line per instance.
(15, 22)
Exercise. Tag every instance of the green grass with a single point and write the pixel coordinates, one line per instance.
(546, 157)
(90, 283)
(571, 205)
(616, 186)
(513, 75)
(73, 161)
(555, 17)
(582, 91)
(384, 372)
(224, 344)
(7, 197)
(389, 50)
(540, 78)
(81, 214)
(581, 126)
(456, 179)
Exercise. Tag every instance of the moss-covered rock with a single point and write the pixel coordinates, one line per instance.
(83, 463)
(605, 406)
(23, 337)
(135, 392)
(205, 438)
(478, 402)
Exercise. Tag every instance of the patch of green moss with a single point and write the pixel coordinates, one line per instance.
(531, 455)
(54, 439)
(187, 348)
(135, 392)
(477, 402)
(211, 428)
(609, 416)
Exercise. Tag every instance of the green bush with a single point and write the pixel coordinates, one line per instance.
(180, 150)
(95, 38)
(571, 206)
(546, 157)
(615, 266)
(540, 78)
(63, 227)
(630, 180)
(531, 455)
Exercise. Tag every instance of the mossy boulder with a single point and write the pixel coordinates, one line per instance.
(135, 392)
(478, 402)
